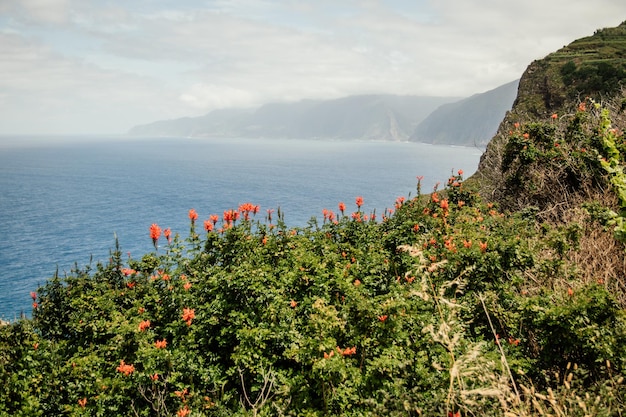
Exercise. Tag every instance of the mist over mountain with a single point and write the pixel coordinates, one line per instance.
(381, 117)
(472, 121)
(365, 117)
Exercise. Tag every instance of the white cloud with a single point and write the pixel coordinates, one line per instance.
(38, 11)
(211, 96)
(80, 65)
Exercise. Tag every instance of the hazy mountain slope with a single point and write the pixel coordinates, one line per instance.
(381, 117)
(219, 122)
(472, 121)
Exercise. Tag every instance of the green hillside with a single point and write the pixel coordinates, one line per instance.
(591, 68)
(502, 295)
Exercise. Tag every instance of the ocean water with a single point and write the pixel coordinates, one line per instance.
(64, 203)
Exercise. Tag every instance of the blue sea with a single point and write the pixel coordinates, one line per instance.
(63, 201)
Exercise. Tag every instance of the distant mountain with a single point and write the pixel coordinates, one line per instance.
(471, 122)
(381, 117)
(442, 120)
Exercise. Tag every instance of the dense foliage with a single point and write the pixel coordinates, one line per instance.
(442, 306)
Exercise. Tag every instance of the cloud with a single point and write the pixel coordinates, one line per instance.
(211, 96)
(76, 66)
(42, 92)
(38, 11)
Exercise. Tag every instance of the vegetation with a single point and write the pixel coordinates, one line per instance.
(445, 305)
(591, 68)
(458, 302)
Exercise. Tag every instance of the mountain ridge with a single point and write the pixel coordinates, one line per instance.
(373, 116)
(367, 117)
(471, 121)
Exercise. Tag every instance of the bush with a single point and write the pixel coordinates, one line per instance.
(444, 306)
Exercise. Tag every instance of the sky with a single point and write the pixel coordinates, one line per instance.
(71, 67)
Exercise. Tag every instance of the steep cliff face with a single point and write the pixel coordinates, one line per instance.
(593, 67)
(468, 122)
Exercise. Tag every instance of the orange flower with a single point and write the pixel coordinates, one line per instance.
(160, 344)
(128, 271)
(231, 216)
(416, 227)
(168, 234)
(357, 282)
(33, 295)
(182, 394)
(348, 351)
(582, 106)
(145, 324)
(467, 243)
(187, 286)
(193, 216)
(526, 135)
(154, 377)
(125, 368)
(293, 303)
(383, 317)
(82, 402)
(460, 172)
(247, 208)
(444, 204)
(554, 116)
(208, 225)
(155, 233)
(359, 201)
(188, 315)
(482, 246)
(183, 412)
(329, 355)
(570, 292)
